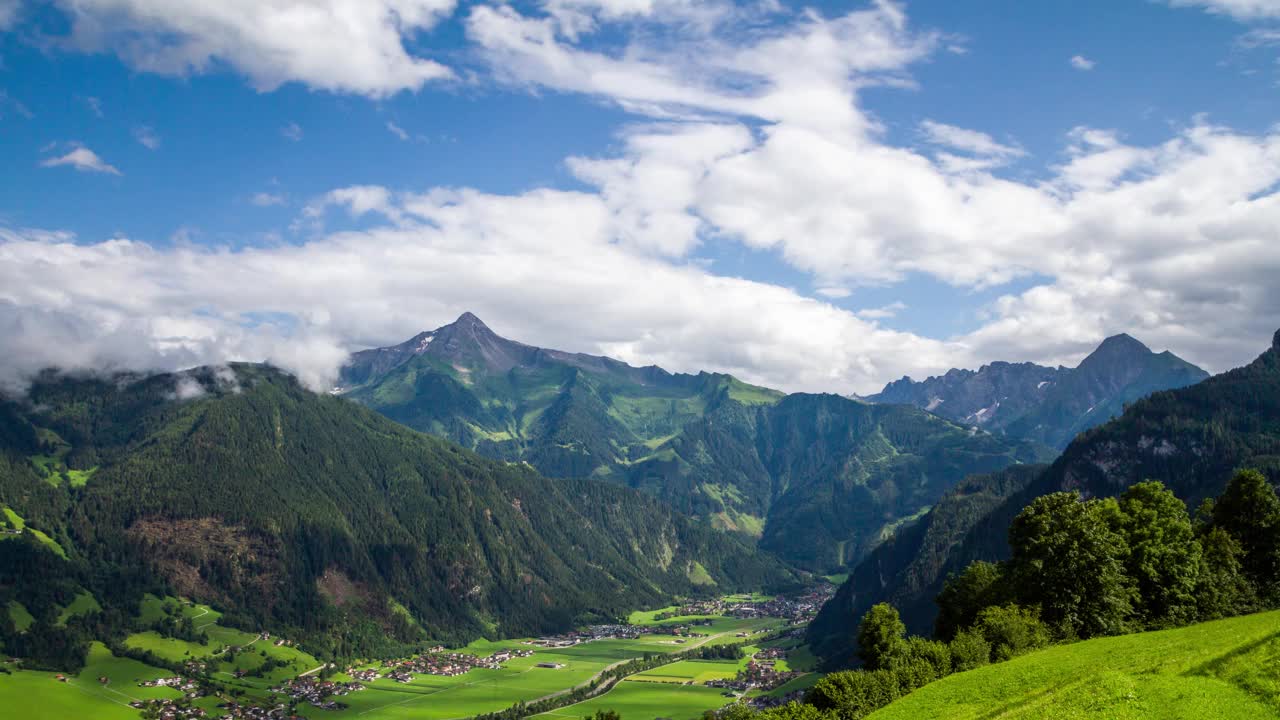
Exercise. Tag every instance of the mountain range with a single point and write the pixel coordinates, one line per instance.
(1191, 439)
(311, 515)
(819, 479)
(1048, 405)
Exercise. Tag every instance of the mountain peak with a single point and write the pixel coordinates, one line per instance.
(1275, 342)
(1123, 341)
(467, 319)
(1120, 347)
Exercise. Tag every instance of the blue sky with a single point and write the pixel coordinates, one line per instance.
(213, 142)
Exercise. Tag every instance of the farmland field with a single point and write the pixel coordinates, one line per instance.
(645, 701)
(1221, 669)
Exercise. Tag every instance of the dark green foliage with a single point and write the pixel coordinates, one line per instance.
(1011, 630)
(1164, 556)
(306, 514)
(967, 594)
(1069, 561)
(1249, 511)
(880, 635)
(1222, 589)
(919, 661)
(969, 649)
(795, 711)
(855, 694)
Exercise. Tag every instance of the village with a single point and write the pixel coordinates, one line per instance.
(761, 673)
(316, 692)
(437, 661)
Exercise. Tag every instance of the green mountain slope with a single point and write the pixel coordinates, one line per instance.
(311, 515)
(819, 478)
(1049, 405)
(1191, 439)
(1224, 669)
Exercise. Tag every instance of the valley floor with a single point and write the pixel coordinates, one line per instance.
(1225, 669)
(674, 690)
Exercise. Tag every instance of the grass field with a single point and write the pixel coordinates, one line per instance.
(83, 603)
(1224, 669)
(15, 521)
(20, 616)
(34, 695)
(645, 701)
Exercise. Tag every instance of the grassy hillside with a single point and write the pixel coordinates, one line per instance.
(1223, 669)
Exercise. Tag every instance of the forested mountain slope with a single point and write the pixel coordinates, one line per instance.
(1050, 405)
(1191, 439)
(311, 515)
(819, 478)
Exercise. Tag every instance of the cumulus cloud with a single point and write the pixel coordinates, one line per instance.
(351, 46)
(292, 132)
(1081, 62)
(81, 158)
(762, 143)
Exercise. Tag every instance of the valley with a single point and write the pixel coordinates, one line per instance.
(652, 660)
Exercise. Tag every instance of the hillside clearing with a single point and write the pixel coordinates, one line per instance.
(1222, 669)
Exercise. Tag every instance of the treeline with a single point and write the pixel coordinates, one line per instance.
(1079, 569)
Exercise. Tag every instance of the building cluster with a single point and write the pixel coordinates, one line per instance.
(362, 675)
(444, 663)
(763, 675)
(699, 607)
(186, 686)
(799, 609)
(617, 631)
(257, 712)
(317, 692)
(167, 709)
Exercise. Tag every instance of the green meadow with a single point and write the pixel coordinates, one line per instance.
(1223, 669)
(669, 691)
(33, 695)
(644, 701)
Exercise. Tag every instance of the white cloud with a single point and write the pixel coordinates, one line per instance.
(81, 158)
(147, 137)
(264, 199)
(95, 105)
(1081, 62)
(398, 131)
(353, 46)
(835, 292)
(1239, 9)
(884, 312)
(967, 141)
(123, 303)
(292, 132)
(762, 142)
